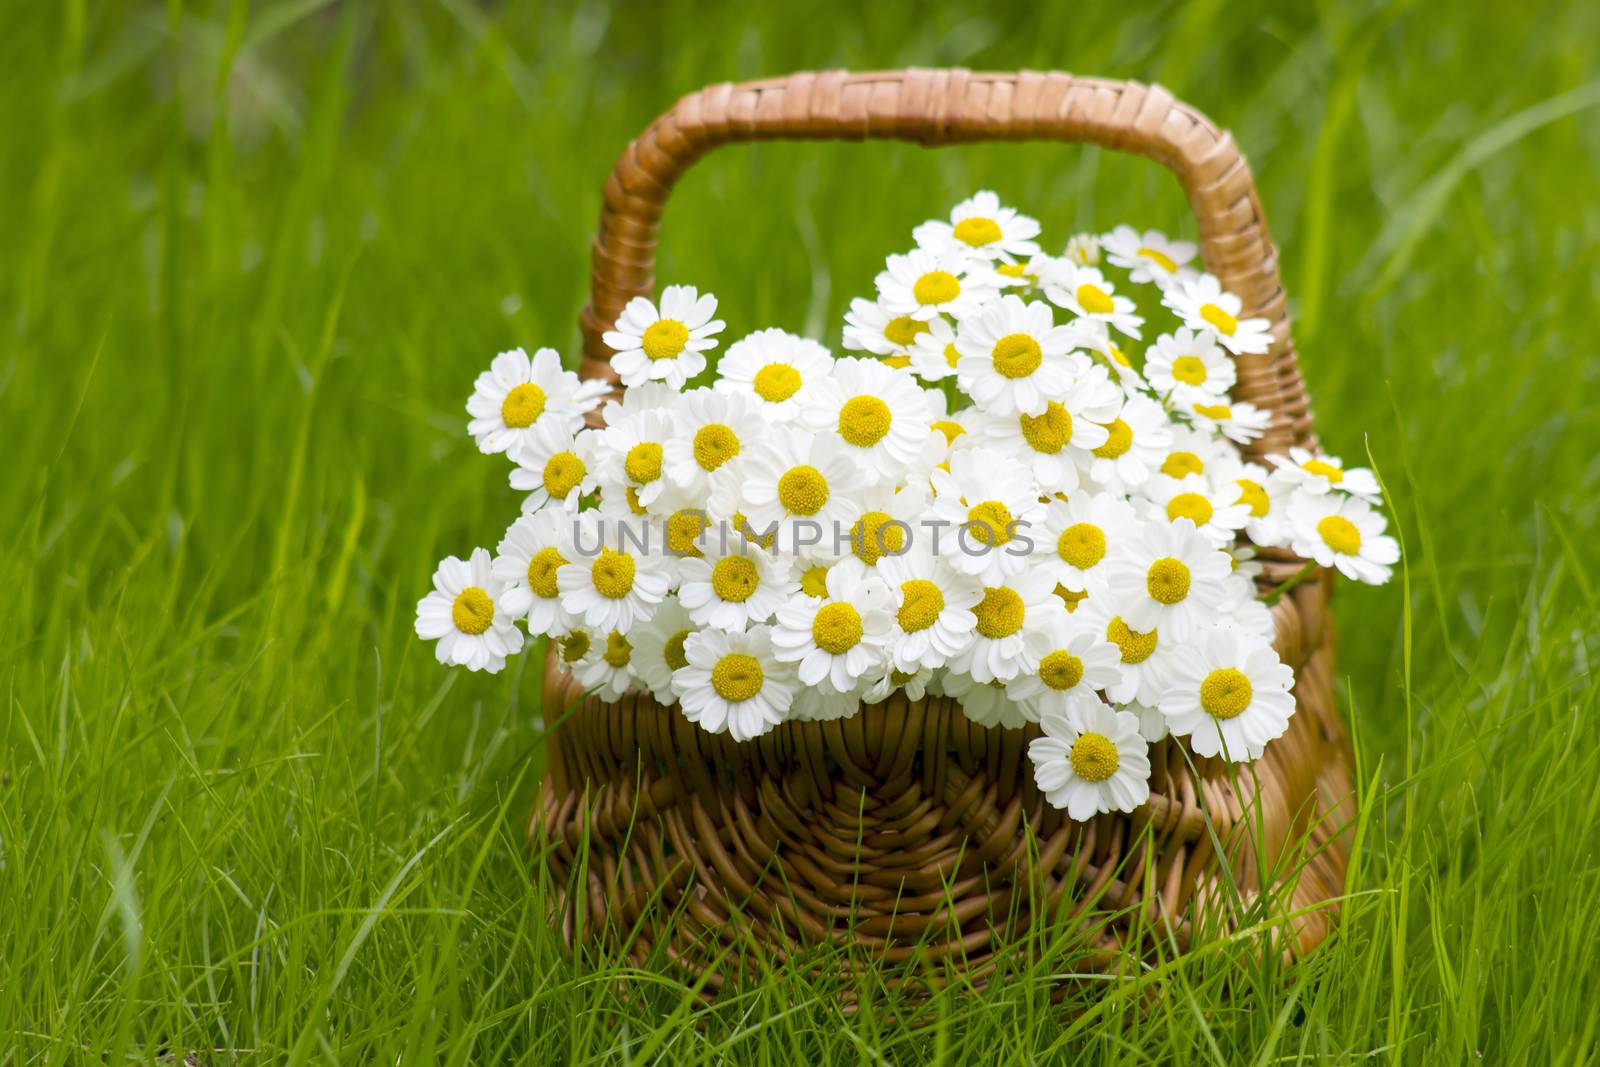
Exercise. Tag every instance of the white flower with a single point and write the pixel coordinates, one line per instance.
(880, 415)
(1229, 695)
(986, 703)
(631, 454)
(1096, 336)
(923, 284)
(527, 562)
(1344, 532)
(821, 704)
(998, 649)
(1071, 661)
(1021, 276)
(773, 368)
(516, 394)
(933, 353)
(734, 586)
(1059, 442)
(1137, 442)
(1190, 365)
(733, 684)
(1264, 494)
(613, 583)
(1146, 656)
(989, 505)
(1171, 579)
(1081, 536)
(981, 227)
(1203, 305)
(554, 467)
(794, 475)
(1215, 510)
(1085, 292)
(915, 684)
(1150, 257)
(871, 327)
(711, 430)
(1237, 421)
(933, 602)
(1315, 473)
(1090, 760)
(1082, 249)
(464, 615)
(608, 674)
(658, 648)
(578, 649)
(838, 640)
(888, 523)
(668, 345)
(1243, 609)
(1013, 357)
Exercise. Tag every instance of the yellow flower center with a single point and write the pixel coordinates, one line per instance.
(1118, 356)
(1182, 464)
(1094, 757)
(1190, 506)
(1012, 270)
(1016, 355)
(1167, 580)
(673, 652)
(643, 462)
(618, 651)
(612, 574)
(992, 522)
(977, 231)
(1069, 598)
(814, 582)
(1082, 545)
(664, 339)
(872, 536)
(776, 382)
(542, 572)
(951, 430)
(936, 287)
(1225, 693)
(897, 362)
(1136, 647)
(1160, 258)
(1340, 534)
(735, 578)
(1190, 370)
(575, 646)
(836, 628)
(1217, 412)
(631, 495)
(1061, 670)
(562, 472)
(684, 529)
(1327, 470)
(802, 490)
(522, 406)
(742, 525)
(1119, 441)
(902, 330)
(999, 612)
(922, 602)
(1220, 320)
(473, 611)
(737, 677)
(901, 677)
(951, 356)
(1251, 493)
(714, 445)
(1095, 300)
(863, 421)
(1050, 432)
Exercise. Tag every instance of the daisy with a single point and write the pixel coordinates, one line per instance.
(1237, 421)
(880, 415)
(923, 284)
(1202, 305)
(516, 393)
(1171, 578)
(915, 684)
(774, 369)
(1096, 337)
(990, 504)
(1264, 494)
(1314, 473)
(608, 674)
(888, 522)
(1021, 276)
(658, 648)
(710, 430)
(1228, 693)
(1056, 444)
(1149, 257)
(463, 614)
(617, 577)
(1090, 760)
(933, 609)
(527, 562)
(732, 683)
(821, 704)
(792, 475)
(668, 345)
(577, 649)
(1013, 357)
(871, 327)
(998, 649)
(1146, 656)
(1136, 443)
(1082, 249)
(1344, 532)
(1085, 292)
(933, 354)
(980, 227)
(736, 585)
(986, 703)
(837, 640)
(1072, 662)
(1081, 536)
(631, 455)
(1214, 509)
(554, 467)
(1244, 610)
(1190, 365)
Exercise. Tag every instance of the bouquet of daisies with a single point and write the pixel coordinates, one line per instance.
(990, 498)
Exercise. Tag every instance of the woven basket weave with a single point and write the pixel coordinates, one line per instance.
(908, 830)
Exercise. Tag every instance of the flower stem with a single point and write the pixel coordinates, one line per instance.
(1293, 580)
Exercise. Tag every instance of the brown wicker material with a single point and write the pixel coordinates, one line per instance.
(907, 829)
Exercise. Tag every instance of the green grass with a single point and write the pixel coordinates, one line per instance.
(253, 258)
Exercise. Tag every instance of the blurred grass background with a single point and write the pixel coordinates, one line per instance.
(254, 255)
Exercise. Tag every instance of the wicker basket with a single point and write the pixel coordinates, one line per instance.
(907, 830)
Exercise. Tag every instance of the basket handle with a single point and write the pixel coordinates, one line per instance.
(935, 107)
